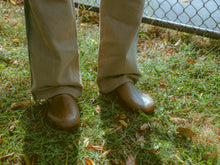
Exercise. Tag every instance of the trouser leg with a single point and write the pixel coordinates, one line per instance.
(120, 20)
(53, 50)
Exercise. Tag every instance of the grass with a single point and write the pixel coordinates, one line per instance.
(180, 71)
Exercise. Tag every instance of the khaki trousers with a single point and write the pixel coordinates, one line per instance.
(53, 50)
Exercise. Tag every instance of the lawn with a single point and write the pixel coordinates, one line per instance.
(179, 70)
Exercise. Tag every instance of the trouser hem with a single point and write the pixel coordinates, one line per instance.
(53, 91)
(110, 84)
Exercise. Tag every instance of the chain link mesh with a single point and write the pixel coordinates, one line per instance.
(193, 16)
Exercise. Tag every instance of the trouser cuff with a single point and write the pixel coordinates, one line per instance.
(53, 91)
(108, 85)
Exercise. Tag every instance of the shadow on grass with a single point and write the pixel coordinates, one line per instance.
(43, 144)
(125, 141)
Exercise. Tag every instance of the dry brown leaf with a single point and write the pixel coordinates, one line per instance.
(144, 127)
(89, 162)
(98, 109)
(154, 151)
(115, 161)
(1, 141)
(99, 148)
(139, 44)
(162, 82)
(130, 160)
(106, 153)
(172, 98)
(175, 118)
(191, 61)
(84, 122)
(6, 156)
(185, 132)
(17, 105)
(12, 127)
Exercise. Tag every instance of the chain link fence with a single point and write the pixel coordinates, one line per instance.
(201, 17)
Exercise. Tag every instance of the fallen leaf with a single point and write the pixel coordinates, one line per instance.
(191, 61)
(12, 2)
(89, 162)
(84, 122)
(170, 52)
(150, 43)
(12, 127)
(91, 83)
(185, 132)
(123, 123)
(130, 160)
(106, 153)
(4, 43)
(86, 143)
(178, 42)
(141, 141)
(144, 127)
(98, 109)
(16, 40)
(17, 105)
(138, 44)
(83, 25)
(93, 41)
(98, 148)
(107, 130)
(165, 42)
(172, 98)
(123, 116)
(162, 82)
(175, 118)
(6, 156)
(194, 101)
(177, 157)
(218, 137)
(154, 150)
(1, 141)
(115, 161)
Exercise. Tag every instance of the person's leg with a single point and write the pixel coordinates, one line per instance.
(53, 55)
(117, 54)
(118, 70)
(53, 50)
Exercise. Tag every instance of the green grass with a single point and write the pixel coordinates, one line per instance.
(182, 78)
